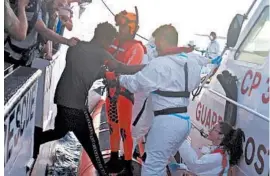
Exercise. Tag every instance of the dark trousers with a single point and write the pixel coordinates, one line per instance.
(11, 60)
(81, 124)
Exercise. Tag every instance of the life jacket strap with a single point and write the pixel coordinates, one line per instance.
(168, 111)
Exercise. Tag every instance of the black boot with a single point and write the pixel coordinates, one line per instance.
(114, 165)
(128, 169)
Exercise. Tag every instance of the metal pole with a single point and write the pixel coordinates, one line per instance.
(250, 8)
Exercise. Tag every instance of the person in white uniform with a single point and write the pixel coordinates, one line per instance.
(168, 79)
(142, 110)
(215, 160)
(213, 49)
(142, 113)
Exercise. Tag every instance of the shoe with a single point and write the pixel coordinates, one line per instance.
(114, 165)
(128, 169)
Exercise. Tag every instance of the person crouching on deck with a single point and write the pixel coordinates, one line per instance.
(119, 111)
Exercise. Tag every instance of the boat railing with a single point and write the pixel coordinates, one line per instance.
(28, 103)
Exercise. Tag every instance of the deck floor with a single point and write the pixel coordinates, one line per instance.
(44, 159)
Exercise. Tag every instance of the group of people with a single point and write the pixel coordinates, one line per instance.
(148, 89)
(31, 29)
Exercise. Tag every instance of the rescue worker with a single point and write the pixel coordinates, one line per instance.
(169, 78)
(213, 49)
(226, 151)
(142, 115)
(83, 65)
(119, 112)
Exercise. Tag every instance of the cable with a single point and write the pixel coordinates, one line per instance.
(142, 37)
(114, 15)
(107, 7)
(197, 91)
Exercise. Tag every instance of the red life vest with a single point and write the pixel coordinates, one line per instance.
(224, 159)
(121, 52)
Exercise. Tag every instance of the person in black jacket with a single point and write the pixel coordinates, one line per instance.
(83, 65)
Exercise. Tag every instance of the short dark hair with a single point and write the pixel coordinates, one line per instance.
(213, 34)
(105, 31)
(169, 33)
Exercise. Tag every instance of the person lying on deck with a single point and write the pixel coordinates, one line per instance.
(216, 160)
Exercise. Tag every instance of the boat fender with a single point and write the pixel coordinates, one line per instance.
(229, 85)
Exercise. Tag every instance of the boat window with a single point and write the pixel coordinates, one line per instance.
(255, 48)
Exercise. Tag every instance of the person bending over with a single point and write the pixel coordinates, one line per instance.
(83, 65)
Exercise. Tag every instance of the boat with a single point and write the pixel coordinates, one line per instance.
(243, 101)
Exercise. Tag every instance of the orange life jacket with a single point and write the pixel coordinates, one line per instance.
(126, 52)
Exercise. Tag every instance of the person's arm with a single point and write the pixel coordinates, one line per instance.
(121, 68)
(68, 24)
(16, 27)
(117, 66)
(201, 60)
(207, 164)
(53, 36)
(65, 17)
(147, 80)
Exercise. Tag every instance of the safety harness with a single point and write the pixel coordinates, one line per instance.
(113, 87)
(180, 94)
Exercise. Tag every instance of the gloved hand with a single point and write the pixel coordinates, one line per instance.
(216, 60)
(177, 166)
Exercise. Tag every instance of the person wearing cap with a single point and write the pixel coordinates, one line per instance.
(119, 111)
(213, 49)
(168, 79)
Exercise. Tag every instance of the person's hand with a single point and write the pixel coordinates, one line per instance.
(47, 56)
(54, 15)
(216, 60)
(72, 41)
(23, 3)
(110, 75)
(64, 18)
(111, 79)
